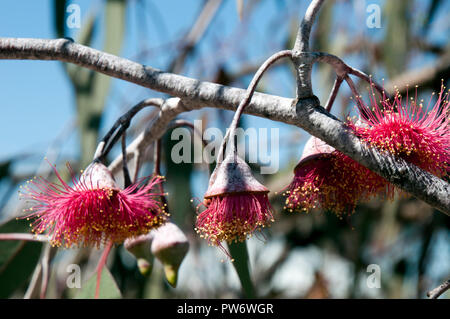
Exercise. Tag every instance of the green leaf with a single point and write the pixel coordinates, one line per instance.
(108, 287)
(17, 258)
(242, 266)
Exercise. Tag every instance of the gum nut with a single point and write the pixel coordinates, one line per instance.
(170, 246)
(140, 248)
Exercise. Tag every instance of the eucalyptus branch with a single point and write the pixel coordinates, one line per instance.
(194, 94)
(300, 53)
(168, 111)
(436, 292)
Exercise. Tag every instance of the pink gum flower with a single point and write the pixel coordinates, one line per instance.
(94, 210)
(236, 204)
(328, 179)
(419, 135)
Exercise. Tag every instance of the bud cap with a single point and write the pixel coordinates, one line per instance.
(233, 175)
(97, 176)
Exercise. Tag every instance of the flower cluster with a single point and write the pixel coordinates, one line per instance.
(418, 134)
(329, 179)
(94, 210)
(236, 204)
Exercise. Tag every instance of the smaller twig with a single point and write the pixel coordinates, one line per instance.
(369, 80)
(343, 70)
(157, 158)
(333, 93)
(248, 95)
(359, 102)
(24, 236)
(352, 86)
(436, 292)
(126, 173)
(137, 164)
(302, 39)
(120, 127)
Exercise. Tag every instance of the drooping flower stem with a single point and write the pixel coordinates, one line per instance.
(120, 126)
(239, 253)
(248, 96)
(333, 93)
(126, 173)
(118, 130)
(101, 264)
(157, 158)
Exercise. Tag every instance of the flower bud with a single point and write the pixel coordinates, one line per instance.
(97, 176)
(237, 204)
(140, 247)
(170, 246)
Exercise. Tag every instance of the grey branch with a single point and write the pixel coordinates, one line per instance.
(300, 52)
(303, 35)
(436, 292)
(304, 112)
